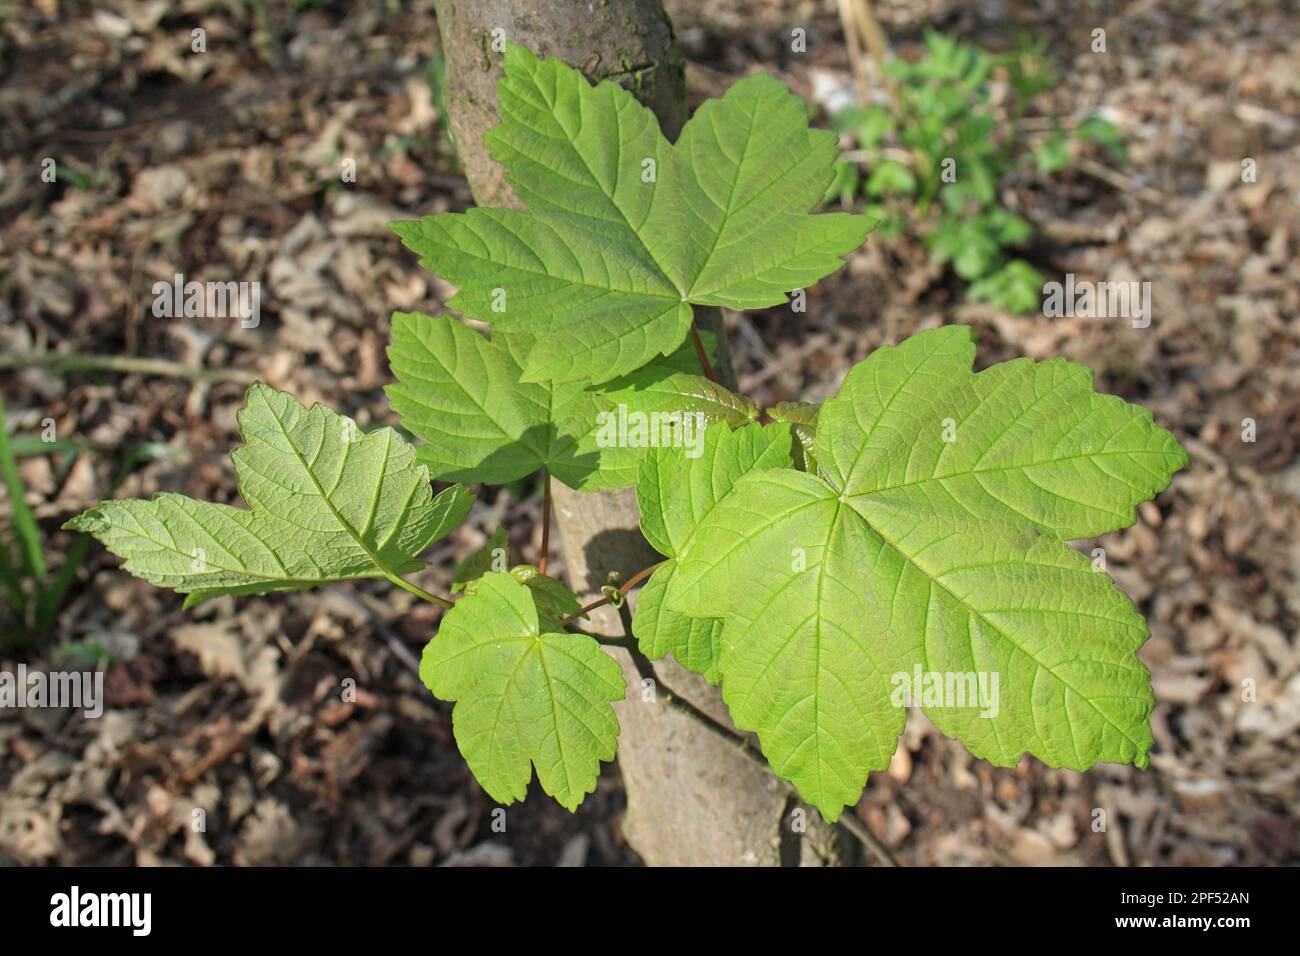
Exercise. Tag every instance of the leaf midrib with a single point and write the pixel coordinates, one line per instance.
(524, 439)
(978, 615)
(1019, 466)
(255, 576)
(584, 282)
(387, 571)
(569, 142)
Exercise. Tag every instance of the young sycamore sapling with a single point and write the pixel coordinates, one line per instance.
(917, 521)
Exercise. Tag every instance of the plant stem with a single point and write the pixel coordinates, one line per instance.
(631, 582)
(546, 520)
(675, 702)
(702, 355)
(418, 591)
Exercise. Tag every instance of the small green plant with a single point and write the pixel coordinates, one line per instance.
(22, 570)
(914, 525)
(936, 159)
(32, 596)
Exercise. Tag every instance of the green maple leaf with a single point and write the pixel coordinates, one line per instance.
(554, 601)
(802, 417)
(934, 539)
(675, 384)
(462, 394)
(527, 694)
(675, 492)
(624, 230)
(327, 502)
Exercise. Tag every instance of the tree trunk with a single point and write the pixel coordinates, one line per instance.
(692, 799)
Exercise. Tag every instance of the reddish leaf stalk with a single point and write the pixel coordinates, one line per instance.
(546, 520)
(702, 355)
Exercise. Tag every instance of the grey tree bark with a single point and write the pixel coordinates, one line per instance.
(692, 799)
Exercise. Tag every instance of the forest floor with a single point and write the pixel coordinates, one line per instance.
(225, 165)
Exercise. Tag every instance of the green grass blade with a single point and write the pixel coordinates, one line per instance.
(11, 582)
(29, 536)
(51, 599)
(25, 446)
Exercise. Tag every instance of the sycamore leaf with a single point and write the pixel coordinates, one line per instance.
(659, 630)
(525, 695)
(802, 417)
(554, 601)
(675, 492)
(624, 231)
(796, 413)
(461, 393)
(326, 502)
(928, 561)
(675, 386)
(659, 389)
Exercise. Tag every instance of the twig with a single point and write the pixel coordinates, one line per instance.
(632, 582)
(853, 44)
(61, 362)
(861, 28)
(1121, 182)
(810, 346)
(850, 822)
(401, 652)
